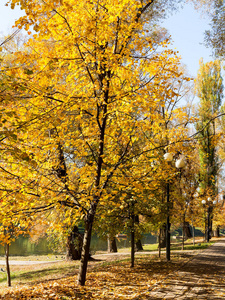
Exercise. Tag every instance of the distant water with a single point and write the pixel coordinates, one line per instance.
(23, 246)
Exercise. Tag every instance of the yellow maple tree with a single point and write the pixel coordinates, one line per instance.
(90, 87)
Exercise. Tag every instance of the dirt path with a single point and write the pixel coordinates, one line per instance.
(27, 262)
(96, 257)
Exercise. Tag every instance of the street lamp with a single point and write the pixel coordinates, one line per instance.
(179, 164)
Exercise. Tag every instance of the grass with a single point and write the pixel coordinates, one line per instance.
(31, 274)
(188, 245)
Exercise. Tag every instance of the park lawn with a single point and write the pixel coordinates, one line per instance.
(177, 245)
(32, 274)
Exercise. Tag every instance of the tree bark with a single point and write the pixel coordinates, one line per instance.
(187, 230)
(162, 239)
(159, 246)
(132, 247)
(85, 251)
(193, 230)
(216, 232)
(112, 247)
(138, 245)
(7, 264)
(132, 235)
(74, 244)
(183, 232)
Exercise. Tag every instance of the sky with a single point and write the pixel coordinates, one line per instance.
(186, 28)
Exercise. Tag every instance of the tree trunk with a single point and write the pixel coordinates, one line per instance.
(132, 235)
(216, 232)
(159, 246)
(85, 251)
(132, 247)
(183, 232)
(112, 248)
(7, 264)
(193, 230)
(187, 230)
(162, 239)
(138, 245)
(74, 244)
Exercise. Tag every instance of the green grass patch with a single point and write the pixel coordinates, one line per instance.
(150, 247)
(35, 273)
(188, 245)
(197, 246)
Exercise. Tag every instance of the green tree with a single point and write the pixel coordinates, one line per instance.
(209, 88)
(215, 37)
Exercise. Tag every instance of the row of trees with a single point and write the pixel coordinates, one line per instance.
(89, 107)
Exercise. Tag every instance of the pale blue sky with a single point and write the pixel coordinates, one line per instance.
(186, 28)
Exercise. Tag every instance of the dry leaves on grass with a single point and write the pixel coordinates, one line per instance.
(112, 281)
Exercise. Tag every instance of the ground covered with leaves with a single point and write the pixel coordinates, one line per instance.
(105, 280)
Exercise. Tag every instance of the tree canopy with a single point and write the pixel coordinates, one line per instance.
(215, 37)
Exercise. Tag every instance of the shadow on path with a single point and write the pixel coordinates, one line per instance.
(202, 277)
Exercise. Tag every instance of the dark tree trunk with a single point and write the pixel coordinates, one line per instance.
(138, 245)
(74, 244)
(187, 230)
(159, 240)
(7, 264)
(216, 232)
(183, 232)
(112, 247)
(85, 251)
(132, 234)
(162, 239)
(132, 247)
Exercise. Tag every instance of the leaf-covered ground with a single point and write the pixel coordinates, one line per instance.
(104, 281)
(189, 275)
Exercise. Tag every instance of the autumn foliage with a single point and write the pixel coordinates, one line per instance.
(91, 106)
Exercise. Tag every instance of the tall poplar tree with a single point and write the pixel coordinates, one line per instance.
(209, 89)
(215, 37)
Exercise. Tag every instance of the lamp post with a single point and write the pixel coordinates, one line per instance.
(179, 164)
